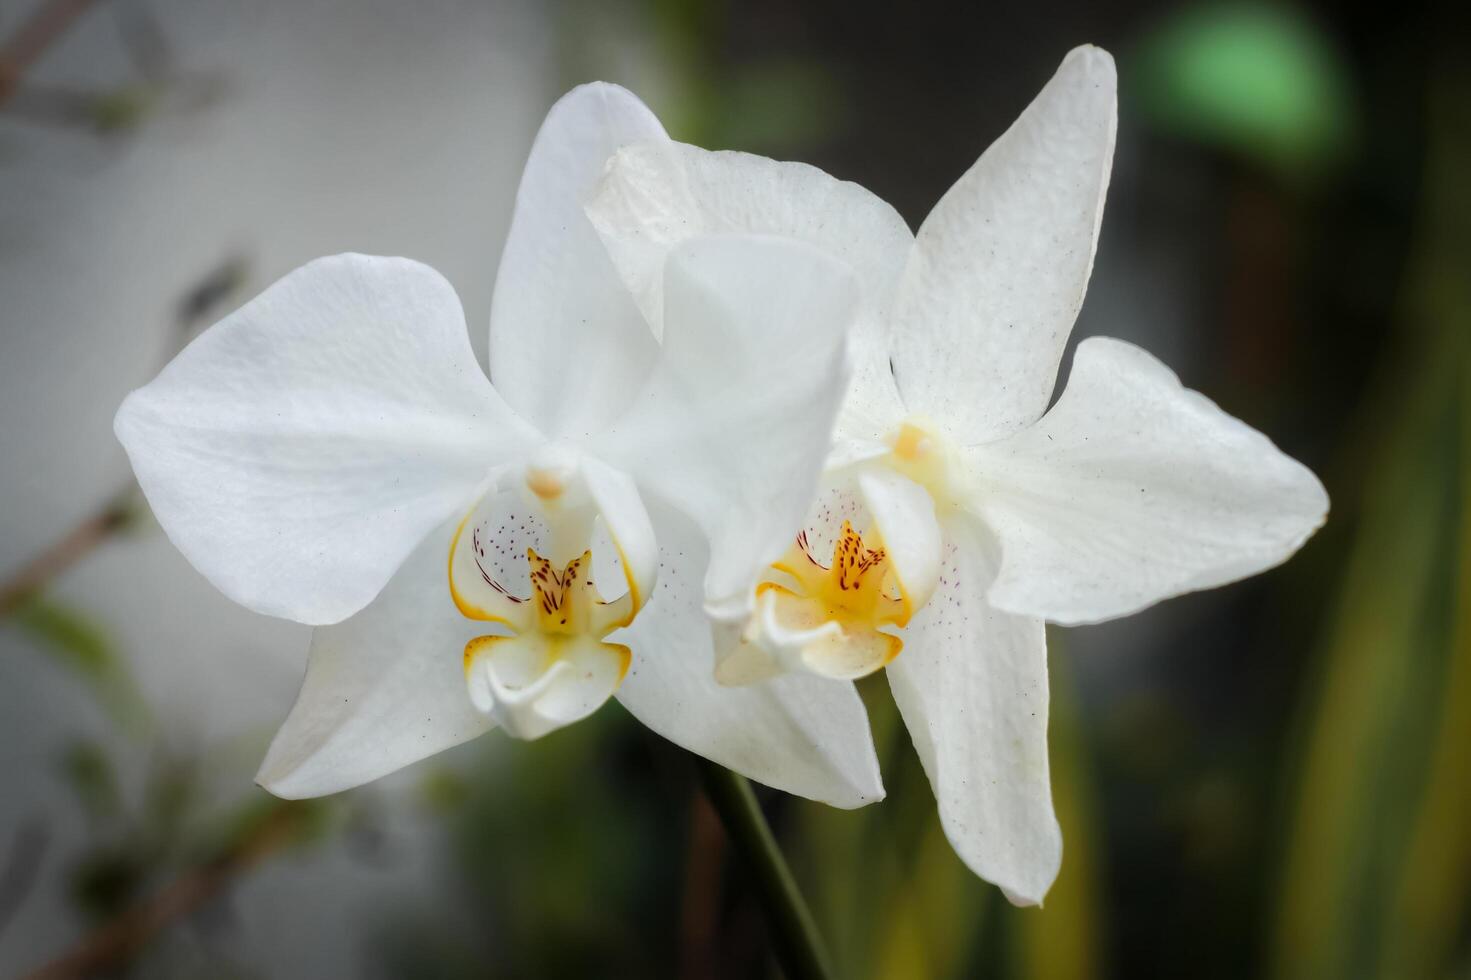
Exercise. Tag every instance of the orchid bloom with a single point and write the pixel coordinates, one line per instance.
(959, 513)
(511, 556)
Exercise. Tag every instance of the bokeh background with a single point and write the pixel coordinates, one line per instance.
(1271, 779)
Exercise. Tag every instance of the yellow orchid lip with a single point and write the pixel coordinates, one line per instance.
(841, 618)
(855, 586)
(833, 614)
(552, 665)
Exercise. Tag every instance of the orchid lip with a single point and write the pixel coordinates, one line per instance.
(827, 619)
(523, 558)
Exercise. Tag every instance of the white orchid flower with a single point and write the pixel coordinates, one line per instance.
(332, 454)
(959, 513)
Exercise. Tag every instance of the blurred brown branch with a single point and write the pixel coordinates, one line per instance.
(124, 937)
(701, 906)
(35, 36)
(120, 107)
(35, 574)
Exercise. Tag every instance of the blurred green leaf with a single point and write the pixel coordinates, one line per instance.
(123, 109)
(894, 900)
(1062, 940)
(1257, 79)
(169, 799)
(779, 105)
(70, 636)
(82, 646)
(1427, 914)
(443, 790)
(776, 107)
(933, 915)
(1427, 919)
(1378, 860)
(556, 836)
(89, 773)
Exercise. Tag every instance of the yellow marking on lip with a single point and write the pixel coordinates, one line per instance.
(636, 600)
(851, 593)
(853, 586)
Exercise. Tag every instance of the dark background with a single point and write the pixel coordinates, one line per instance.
(1271, 779)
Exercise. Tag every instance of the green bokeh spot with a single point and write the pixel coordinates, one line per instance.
(1258, 80)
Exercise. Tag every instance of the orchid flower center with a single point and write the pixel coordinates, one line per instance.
(834, 613)
(840, 619)
(852, 588)
(524, 560)
(825, 619)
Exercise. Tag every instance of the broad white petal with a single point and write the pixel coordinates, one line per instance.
(384, 689)
(657, 195)
(1000, 266)
(801, 734)
(1133, 489)
(300, 448)
(568, 346)
(735, 423)
(972, 687)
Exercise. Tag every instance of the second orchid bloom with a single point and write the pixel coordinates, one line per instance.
(959, 513)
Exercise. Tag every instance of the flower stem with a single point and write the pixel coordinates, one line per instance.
(798, 946)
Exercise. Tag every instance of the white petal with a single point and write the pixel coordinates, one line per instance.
(299, 449)
(657, 195)
(621, 509)
(1000, 266)
(801, 734)
(568, 346)
(736, 421)
(972, 687)
(1133, 489)
(904, 514)
(384, 689)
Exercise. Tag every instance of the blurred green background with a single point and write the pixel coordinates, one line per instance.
(1272, 779)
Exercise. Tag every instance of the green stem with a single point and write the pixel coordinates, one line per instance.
(798, 946)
